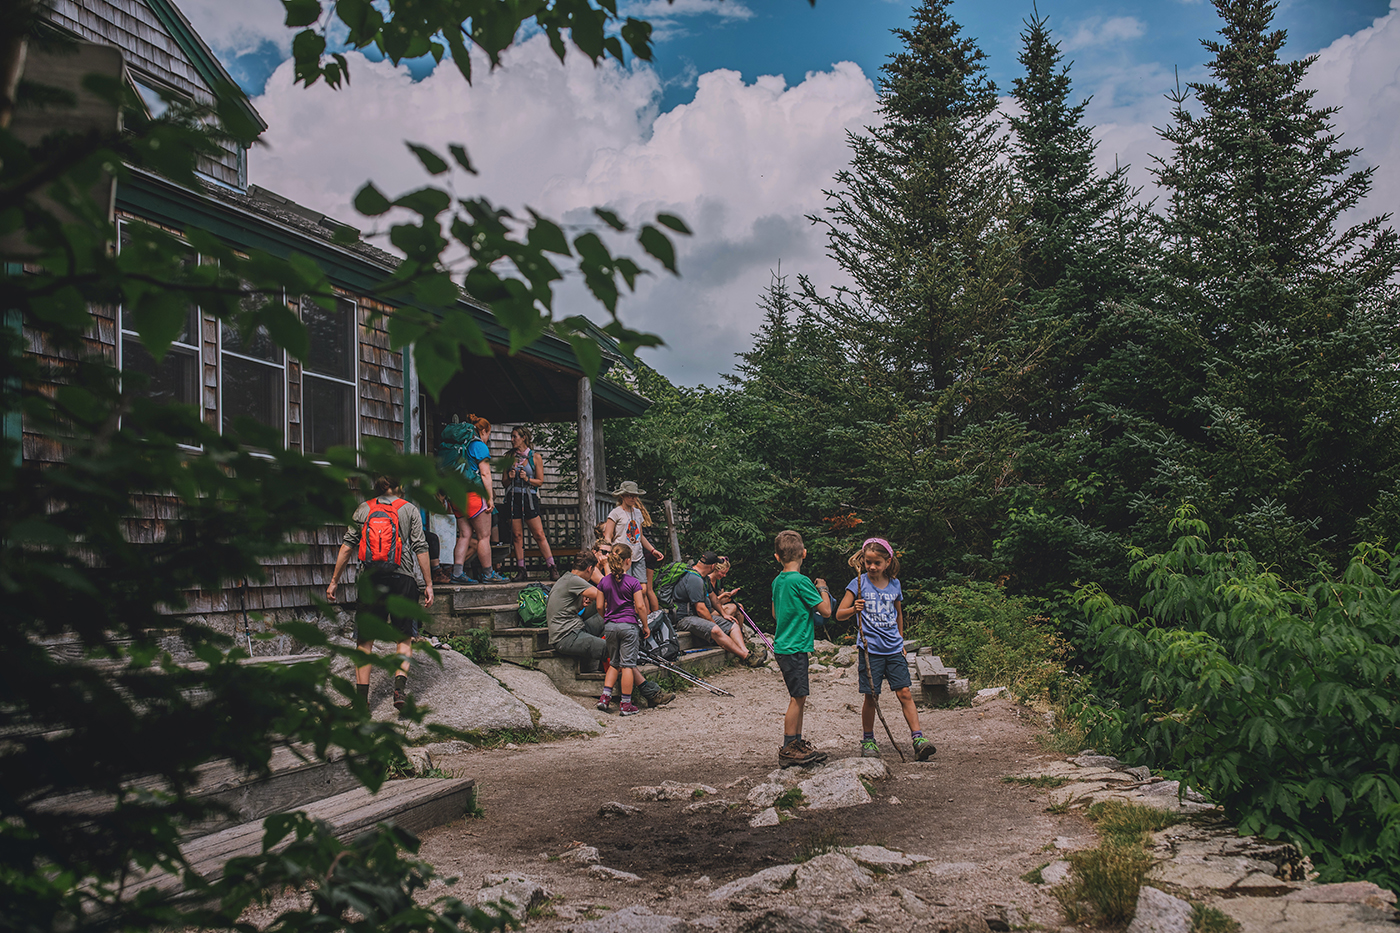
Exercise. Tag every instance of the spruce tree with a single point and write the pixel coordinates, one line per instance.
(1291, 436)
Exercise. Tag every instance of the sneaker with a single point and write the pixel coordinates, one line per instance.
(605, 704)
(461, 579)
(809, 747)
(521, 575)
(923, 749)
(868, 749)
(660, 698)
(629, 710)
(797, 754)
(491, 576)
(399, 698)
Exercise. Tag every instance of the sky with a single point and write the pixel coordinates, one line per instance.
(740, 124)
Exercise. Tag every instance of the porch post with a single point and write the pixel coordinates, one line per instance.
(587, 475)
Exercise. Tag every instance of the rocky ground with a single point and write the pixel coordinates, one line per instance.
(666, 821)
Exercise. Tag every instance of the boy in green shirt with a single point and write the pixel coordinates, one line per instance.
(794, 599)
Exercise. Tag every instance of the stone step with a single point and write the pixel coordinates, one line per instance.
(563, 671)
(296, 779)
(483, 594)
(416, 804)
(519, 644)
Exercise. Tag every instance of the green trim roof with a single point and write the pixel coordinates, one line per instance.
(203, 58)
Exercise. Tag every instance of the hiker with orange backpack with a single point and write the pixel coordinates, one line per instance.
(386, 535)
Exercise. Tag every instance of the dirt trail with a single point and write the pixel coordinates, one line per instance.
(541, 800)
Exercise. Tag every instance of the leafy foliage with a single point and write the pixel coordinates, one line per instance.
(1281, 703)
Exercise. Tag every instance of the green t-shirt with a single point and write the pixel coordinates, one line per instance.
(794, 599)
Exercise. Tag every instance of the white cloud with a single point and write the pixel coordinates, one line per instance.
(1361, 74)
(233, 29)
(654, 10)
(742, 163)
(1097, 31)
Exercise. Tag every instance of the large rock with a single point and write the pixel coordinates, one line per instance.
(612, 874)
(831, 875)
(767, 817)
(557, 712)
(793, 920)
(879, 858)
(674, 790)
(763, 795)
(1346, 892)
(516, 893)
(832, 790)
(768, 881)
(1159, 912)
(457, 693)
(635, 919)
(872, 769)
(845, 656)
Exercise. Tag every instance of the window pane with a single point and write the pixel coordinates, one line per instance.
(253, 390)
(190, 333)
(175, 379)
(332, 336)
(259, 344)
(328, 414)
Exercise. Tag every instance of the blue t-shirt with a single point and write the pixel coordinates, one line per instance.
(880, 620)
(477, 451)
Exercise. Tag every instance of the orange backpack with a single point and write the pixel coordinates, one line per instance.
(381, 542)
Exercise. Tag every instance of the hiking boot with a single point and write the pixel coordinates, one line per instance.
(399, 698)
(461, 579)
(629, 710)
(923, 749)
(868, 749)
(491, 576)
(521, 575)
(605, 704)
(809, 747)
(758, 656)
(797, 754)
(441, 576)
(660, 698)
(553, 573)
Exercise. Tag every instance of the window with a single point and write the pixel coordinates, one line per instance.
(254, 376)
(175, 379)
(328, 409)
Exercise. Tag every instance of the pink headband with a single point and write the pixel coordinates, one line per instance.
(880, 541)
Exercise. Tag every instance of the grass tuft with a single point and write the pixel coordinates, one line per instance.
(817, 843)
(1042, 781)
(790, 798)
(1212, 920)
(1105, 880)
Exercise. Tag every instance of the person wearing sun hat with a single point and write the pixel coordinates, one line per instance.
(624, 526)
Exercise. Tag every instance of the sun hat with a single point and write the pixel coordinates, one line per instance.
(629, 488)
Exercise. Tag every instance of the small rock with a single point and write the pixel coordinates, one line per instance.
(672, 790)
(613, 808)
(703, 881)
(822, 646)
(1140, 773)
(952, 869)
(845, 656)
(832, 874)
(913, 905)
(1001, 918)
(987, 695)
(516, 894)
(963, 922)
(1064, 842)
(768, 881)
(612, 874)
(419, 760)
(767, 817)
(1346, 892)
(633, 920)
(894, 800)
(586, 854)
(1056, 872)
(832, 790)
(818, 668)
(764, 794)
(1098, 761)
(793, 920)
(706, 806)
(1159, 912)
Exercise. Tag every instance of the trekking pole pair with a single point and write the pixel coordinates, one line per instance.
(685, 675)
(864, 653)
(763, 636)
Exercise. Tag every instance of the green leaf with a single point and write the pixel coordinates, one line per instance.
(371, 202)
(659, 246)
(672, 222)
(588, 354)
(546, 236)
(434, 163)
(285, 328)
(611, 219)
(459, 153)
(301, 12)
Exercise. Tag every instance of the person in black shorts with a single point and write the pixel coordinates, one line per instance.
(522, 481)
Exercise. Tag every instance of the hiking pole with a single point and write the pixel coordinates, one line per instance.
(243, 602)
(763, 636)
(685, 675)
(874, 687)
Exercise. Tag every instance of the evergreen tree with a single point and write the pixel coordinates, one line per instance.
(1291, 436)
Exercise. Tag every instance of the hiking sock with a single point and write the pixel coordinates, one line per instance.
(457, 570)
(789, 739)
(867, 736)
(917, 734)
(520, 562)
(548, 563)
(607, 693)
(362, 691)
(627, 699)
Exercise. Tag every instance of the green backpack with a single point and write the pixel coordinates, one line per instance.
(531, 607)
(667, 578)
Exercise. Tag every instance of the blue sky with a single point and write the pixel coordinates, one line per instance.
(744, 158)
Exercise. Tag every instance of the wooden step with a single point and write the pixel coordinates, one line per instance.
(416, 804)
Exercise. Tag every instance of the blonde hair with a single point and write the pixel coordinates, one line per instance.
(857, 560)
(619, 559)
(646, 516)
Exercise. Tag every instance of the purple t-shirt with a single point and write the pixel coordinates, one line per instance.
(617, 598)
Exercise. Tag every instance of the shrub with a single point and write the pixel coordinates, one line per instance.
(1281, 703)
(476, 644)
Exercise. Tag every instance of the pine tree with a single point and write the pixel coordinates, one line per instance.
(1292, 436)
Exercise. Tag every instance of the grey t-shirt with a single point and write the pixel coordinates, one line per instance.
(691, 589)
(561, 610)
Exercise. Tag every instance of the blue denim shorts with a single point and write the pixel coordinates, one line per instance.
(891, 667)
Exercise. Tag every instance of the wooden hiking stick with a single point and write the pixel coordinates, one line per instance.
(874, 687)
